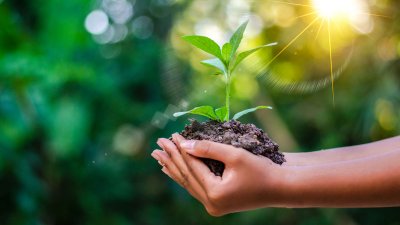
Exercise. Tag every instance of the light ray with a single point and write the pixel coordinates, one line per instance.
(307, 14)
(319, 29)
(290, 43)
(291, 3)
(374, 14)
(275, 81)
(331, 61)
(328, 11)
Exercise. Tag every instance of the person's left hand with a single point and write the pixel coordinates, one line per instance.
(249, 181)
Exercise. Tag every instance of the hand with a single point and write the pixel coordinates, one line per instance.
(248, 181)
(359, 176)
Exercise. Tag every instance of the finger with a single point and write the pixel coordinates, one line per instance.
(164, 160)
(202, 173)
(176, 156)
(172, 171)
(166, 171)
(192, 192)
(212, 150)
(186, 178)
(197, 167)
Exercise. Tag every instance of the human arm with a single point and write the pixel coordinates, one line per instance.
(366, 182)
(251, 181)
(226, 194)
(344, 153)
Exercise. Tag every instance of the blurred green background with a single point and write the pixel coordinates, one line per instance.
(86, 88)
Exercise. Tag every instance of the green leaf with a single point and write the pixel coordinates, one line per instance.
(227, 52)
(237, 38)
(216, 63)
(222, 114)
(244, 112)
(245, 54)
(206, 111)
(205, 44)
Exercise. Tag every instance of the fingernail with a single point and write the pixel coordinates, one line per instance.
(188, 145)
(159, 142)
(154, 155)
(175, 138)
(161, 164)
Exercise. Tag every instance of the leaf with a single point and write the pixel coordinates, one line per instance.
(244, 112)
(222, 114)
(206, 111)
(237, 38)
(205, 44)
(245, 54)
(216, 63)
(226, 52)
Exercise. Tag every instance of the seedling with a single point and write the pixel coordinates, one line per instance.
(228, 130)
(226, 61)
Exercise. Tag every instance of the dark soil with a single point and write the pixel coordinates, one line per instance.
(246, 136)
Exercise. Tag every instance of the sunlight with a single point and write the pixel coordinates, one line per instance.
(334, 16)
(329, 9)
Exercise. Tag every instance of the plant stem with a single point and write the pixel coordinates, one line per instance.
(227, 95)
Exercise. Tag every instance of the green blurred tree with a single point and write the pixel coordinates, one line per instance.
(76, 111)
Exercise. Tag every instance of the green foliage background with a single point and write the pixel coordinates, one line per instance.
(78, 119)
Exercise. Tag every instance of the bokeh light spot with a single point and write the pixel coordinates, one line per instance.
(96, 22)
(142, 27)
(128, 140)
(385, 114)
(255, 26)
(282, 15)
(106, 36)
(121, 31)
(209, 28)
(120, 11)
(159, 120)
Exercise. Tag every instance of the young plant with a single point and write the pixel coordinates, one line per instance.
(226, 61)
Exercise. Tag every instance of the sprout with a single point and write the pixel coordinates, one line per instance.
(226, 61)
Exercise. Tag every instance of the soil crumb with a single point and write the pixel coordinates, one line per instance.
(246, 136)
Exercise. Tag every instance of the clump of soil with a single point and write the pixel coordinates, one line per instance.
(246, 136)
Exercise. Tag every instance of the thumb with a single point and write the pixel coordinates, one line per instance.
(210, 150)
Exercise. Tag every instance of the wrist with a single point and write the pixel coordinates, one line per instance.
(304, 186)
(282, 182)
(303, 158)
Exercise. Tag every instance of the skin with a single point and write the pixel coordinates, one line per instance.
(357, 176)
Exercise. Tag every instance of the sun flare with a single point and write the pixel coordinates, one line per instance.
(330, 9)
(329, 21)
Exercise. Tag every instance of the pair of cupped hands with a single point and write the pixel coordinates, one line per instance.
(248, 181)
(366, 175)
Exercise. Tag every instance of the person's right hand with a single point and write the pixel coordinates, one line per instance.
(248, 182)
(366, 179)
